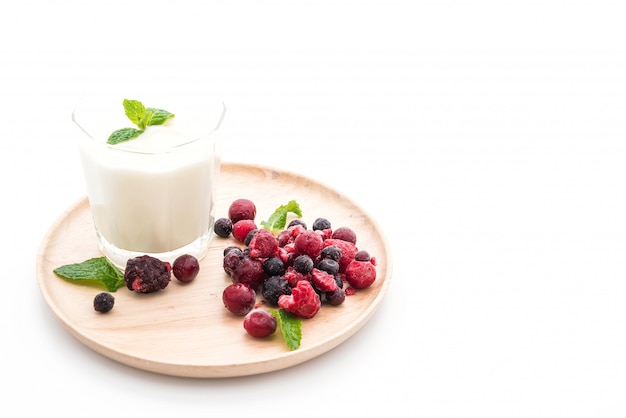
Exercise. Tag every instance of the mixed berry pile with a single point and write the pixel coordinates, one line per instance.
(297, 269)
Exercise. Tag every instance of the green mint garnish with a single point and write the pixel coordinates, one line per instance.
(142, 117)
(278, 219)
(93, 271)
(290, 327)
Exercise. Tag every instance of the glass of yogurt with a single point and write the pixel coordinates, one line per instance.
(153, 194)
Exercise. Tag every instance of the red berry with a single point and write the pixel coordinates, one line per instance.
(249, 271)
(242, 228)
(323, 281)
(302, 302)
(344, 233)
(239, 298)
(186, 268)
(259, 323)
(360, 274)
(309, 243)
(241, 209)
(263, 244)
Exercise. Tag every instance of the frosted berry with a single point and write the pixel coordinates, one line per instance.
(249, 271)
(260, 323)
(320, 224)
(309, 243)
(323, 281)
(273, 288)
(348, 251)
(303, 264)
(332, 251)
(274, 266)
(336, 298)
(146, 274)
(239, 298)
(249, 237)
(242, 228)
(231, 260)
(328, 265)
(362, 255)
(185, 268)
(241, 209)
(223, 227)
(302, 302)
(360, 274)
(344, 233)
(103, 302)
(263, 244)
(295, 222)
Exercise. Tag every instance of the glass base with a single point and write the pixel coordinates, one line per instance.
(198, 248)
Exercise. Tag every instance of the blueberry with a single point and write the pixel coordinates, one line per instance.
(274, 266)
(273, 288)
(303, 264)
(103, 302)
(320, 224)
(332, 251)
(328, 265)
(223, 227)
(297, 222)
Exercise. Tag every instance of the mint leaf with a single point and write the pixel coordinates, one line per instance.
(140, 116)
(277, 220)
(93, 272)
(123, 135)
(134, 110)
(159, 116)
(290, 327)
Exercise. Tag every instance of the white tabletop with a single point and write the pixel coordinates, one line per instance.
(486, 138)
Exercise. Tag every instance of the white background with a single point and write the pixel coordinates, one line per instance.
(487, 139)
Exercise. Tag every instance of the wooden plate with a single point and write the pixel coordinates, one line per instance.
(185, 330)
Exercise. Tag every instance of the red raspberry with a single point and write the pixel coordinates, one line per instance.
(263, 244)
(302, 302)
(241, 209)
(242, 228)
(323, 281)
(348, 251)
(289, 235)
(360, 274)
(309, 243)
(293, 277)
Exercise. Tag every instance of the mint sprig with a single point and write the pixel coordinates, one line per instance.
(277, 220)
(95, 271)
(142, 117)
(290, 327)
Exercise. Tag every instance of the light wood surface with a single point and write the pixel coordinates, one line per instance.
(185, 330)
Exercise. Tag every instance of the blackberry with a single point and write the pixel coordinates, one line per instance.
(146, 274)
(274, 266)
(303, 264)
(223, 227)
(320, 224)
(273, 287)
(103, 302)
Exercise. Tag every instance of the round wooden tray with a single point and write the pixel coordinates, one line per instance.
(185, 330)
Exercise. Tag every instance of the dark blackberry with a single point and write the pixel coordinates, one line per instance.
(103, 302)
(332, 251)
(146, 274)
(223, 227)
(321, 224)
(328, 265)
(273, 287)
(303, 264)
(274, 266)
(297, 222)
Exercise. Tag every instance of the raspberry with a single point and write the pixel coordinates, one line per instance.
(242, 228)
(260, 324)
(293, 276)
(146, 274)
(239, 298)
(344, 233)
(302, 302)
(186, 268)
(241, 209)
(249, 271)
(103, 302)
(323, 281)
(309, 243)
(223, 227)
(348, 251)
(360, 274)
(263, 244)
